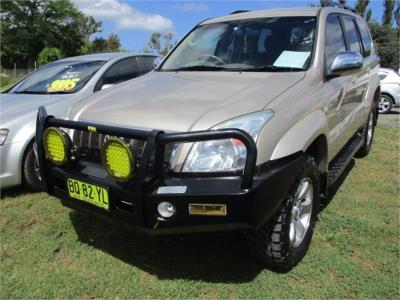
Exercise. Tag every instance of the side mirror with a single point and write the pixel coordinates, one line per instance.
(106, 86)
(346, 63)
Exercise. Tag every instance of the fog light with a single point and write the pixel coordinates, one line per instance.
(117, 159)
(166, 209)
(56, 144)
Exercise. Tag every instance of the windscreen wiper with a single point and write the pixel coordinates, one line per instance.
(197, 68)
(31, 92)
(276, 69)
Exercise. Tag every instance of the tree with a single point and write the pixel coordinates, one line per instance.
(388, 12)
(387, 44)
(28, 26)
(99, 45)
(324, 2)
(397, 14)
(159, 43)
(48, 55)
(361, 7)
(113, 43)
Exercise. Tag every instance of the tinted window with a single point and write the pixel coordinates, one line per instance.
(148, 62)
(334, 40)
(123, 70)
(366, 38)
(352, 35)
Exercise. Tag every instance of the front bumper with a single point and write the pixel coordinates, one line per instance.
(251, 198)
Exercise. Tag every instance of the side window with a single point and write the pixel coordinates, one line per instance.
(334, 40)
(123, 70)
(351, 34)
(148, 63)
(365, 36)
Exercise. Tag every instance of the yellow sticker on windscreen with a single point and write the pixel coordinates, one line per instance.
(61, 85)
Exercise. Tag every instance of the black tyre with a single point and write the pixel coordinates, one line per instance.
(283, 241)
(368, 133)
(385, 104)
(30, 171)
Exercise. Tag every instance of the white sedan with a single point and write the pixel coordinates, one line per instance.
(390, 90)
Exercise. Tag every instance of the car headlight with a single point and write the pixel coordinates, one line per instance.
(229, 154)
(3, 136)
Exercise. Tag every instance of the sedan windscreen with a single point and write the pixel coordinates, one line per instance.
(63, 77)
(267, 44)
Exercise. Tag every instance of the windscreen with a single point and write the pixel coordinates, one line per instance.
(267, 44)
(59, 77)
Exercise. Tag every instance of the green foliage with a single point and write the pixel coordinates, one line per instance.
(101, 45)
(388, 12)
(387, 43)
(28, 26)
(160, 44)
(361, 7)
(49, 251)
(48, 55)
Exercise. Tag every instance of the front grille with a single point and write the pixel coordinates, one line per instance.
(88, 145)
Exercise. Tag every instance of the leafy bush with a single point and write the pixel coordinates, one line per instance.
(48, 55)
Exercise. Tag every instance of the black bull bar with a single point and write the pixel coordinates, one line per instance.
(155, 142)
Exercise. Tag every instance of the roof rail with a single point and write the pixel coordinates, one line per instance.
(238, 12)
(341, 5)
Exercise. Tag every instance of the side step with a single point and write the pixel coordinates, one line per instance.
(338, 165)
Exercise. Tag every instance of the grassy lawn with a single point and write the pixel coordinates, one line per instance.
(49, 251)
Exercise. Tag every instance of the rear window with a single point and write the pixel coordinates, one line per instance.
(365, 37)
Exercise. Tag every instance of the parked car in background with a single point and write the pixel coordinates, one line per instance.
(390, 90)
(57, 86)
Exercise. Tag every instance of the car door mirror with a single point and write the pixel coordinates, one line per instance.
(106, 86)
(346, 63)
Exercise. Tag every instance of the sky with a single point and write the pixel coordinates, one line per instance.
(134, 21)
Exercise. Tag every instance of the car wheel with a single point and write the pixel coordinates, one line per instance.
(385, 104)
(282, 242)
(368, 132)
(31, 171)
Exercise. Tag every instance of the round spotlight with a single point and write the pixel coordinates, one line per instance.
(56, 145)
(117, 158)
(166, 209)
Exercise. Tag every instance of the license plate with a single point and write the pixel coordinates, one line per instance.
(87, 192)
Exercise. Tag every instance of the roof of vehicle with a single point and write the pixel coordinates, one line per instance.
(106, 56)
(281, 12)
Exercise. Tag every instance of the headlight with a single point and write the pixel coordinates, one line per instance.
(3, 136)
(226, 155)
(57, 145)
(117, 158)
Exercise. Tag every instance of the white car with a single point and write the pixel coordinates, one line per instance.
(57, 86)
(390, 90)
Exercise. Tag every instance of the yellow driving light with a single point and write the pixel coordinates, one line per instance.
(117, 159)
(56, 145)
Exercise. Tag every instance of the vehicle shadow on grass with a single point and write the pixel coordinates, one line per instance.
(219, 259)
(223, 259)
(14, 192)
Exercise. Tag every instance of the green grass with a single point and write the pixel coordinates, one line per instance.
(49, 251)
